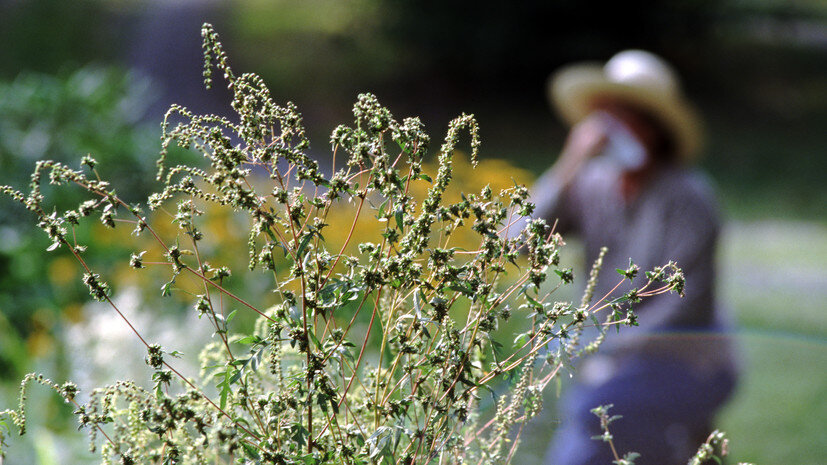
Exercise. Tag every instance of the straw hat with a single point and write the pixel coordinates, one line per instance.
(634, 76)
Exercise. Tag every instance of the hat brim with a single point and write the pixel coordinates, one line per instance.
(574, 90)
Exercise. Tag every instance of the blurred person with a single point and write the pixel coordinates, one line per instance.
(624, 180)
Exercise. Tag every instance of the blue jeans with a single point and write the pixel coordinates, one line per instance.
(667, 412)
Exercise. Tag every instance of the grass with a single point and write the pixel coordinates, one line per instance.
(776, 280)
(777, 414)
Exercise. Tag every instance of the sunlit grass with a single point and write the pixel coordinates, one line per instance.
(774, 276)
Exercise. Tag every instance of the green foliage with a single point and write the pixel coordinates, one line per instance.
(48, 35)
(375, 349)
(91, 110)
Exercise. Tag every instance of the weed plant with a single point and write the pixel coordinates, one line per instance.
(375, 350)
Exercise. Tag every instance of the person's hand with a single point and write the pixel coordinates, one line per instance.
(586, 138)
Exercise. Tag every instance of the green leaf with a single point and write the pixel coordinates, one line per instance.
(534, 302)
(315, 340)
(400, 219)
(255, 360)
(237, 373)
(250, 451)
(299, 433)
(322, 401)
(417, 303)
(494, 394)
(378, 441)
(459, 287)
(521, 339)
(303, 244)
(166, 289)
(225, 392)
(251, 339)
(466, 381)
(496, 348)
(380, 213)
(275, 240)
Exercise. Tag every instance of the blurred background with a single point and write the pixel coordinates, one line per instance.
(95, 76)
